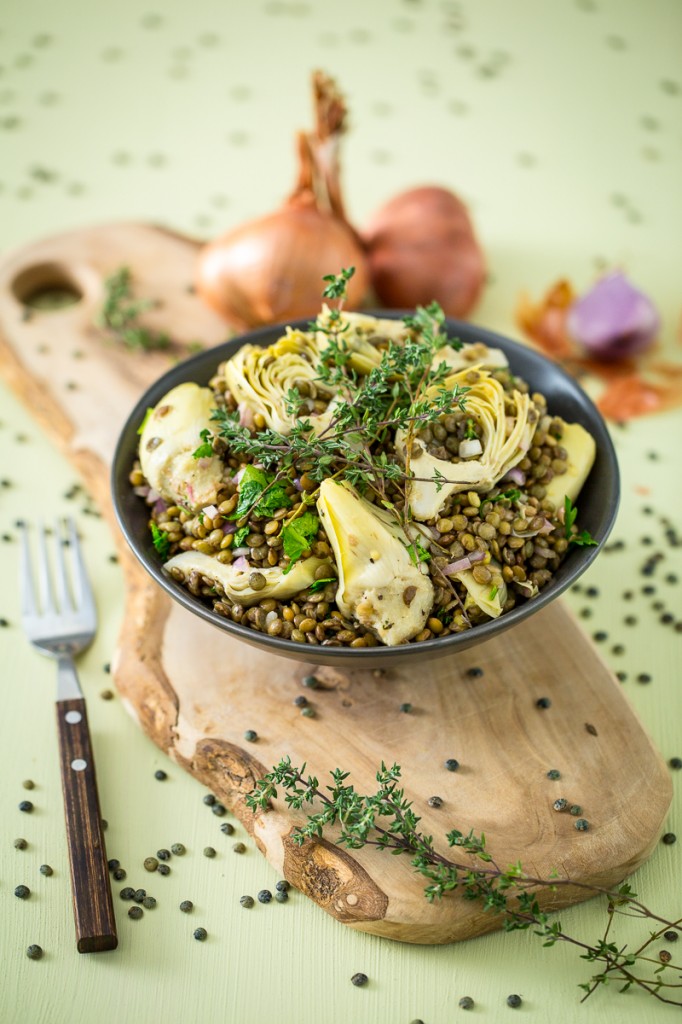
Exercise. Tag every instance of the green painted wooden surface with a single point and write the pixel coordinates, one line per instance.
(560, 124)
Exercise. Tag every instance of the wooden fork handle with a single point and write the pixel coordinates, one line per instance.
(90, 885)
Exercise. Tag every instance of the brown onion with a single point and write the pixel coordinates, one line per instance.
(271, 269)
(422, 247)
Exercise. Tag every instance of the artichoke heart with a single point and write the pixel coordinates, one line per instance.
(581, 449)
(235, 582)
(357, 331)
(489, 599)
(170, 435)
(379, 585)
(261, 377)
(436, 479)
(474, 354)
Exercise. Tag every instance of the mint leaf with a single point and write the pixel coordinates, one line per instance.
(321, 584)
(241, 535)
(298, 534)
(275, 497)
(253, 483)
(160, 541)
(205, 450)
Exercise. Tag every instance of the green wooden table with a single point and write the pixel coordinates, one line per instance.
(560, 126)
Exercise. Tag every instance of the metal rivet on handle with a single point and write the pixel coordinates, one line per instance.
(73, 717)
(79, 764)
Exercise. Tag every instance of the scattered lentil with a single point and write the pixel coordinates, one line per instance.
(226, 828)
(643, 677)
(239, 848)
(28, 784)
(514, 1001)
(178, 849)
(301, 701)
(250, 735)
(670, 936)
(127, 893)
(665, 956)
(46, 870)
(113, 864)
(119, 874)
(149, 902)
(246, 901)
(312, 682)
(34, 952)
(575, 810)
(543, 702)
(139, 895)
(163, 869)
(308, 712)
(219, 810)
(281, 897)
(106, 694)
(669, 838)
(591, 729)
(359, 979)
(560, 804)
(675, 762)
(186, 906)
(452, 764)
(264, 896)
(466, 1003)
(582, 825)
(209, 799)
(135, 913)
(160, 774)
(150, 863)
(554, 774)
(209, 851)
(26, 806)
(282, 885)
(20, 844)
(406, 708)
(163, 854)
(622, 676)
(22, 892)
(200, 934)
(435, 801)
(474, 673)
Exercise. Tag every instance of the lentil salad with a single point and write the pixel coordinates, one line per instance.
(471, 516)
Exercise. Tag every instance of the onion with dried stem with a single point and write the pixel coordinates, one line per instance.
(271, 269)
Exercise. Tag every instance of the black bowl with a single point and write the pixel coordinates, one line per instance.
(598, 501)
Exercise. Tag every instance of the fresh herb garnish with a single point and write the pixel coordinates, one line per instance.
(260, 492)
(470, 432)
(493, 593)
(120, 314)
(160, 541)
(584, 539)
(321, 584)
(511, 495)
(205, 449)
(145, 419)
(417, 552)
(240, 536)
(297, 535)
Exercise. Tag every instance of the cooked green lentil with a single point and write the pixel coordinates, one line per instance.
(34, 952)
(517, 541)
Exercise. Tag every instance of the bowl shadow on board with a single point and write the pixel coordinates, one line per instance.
(597, 502)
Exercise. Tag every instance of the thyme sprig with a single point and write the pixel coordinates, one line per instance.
(120, 314)
(386, 820)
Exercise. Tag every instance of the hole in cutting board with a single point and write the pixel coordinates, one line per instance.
(46, 288)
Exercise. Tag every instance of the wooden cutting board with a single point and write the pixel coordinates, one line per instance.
(195, 690)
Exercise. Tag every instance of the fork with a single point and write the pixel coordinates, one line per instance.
(61, 627)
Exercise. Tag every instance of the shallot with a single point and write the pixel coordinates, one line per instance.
(422, 247)
(271, 269)
(614, 319)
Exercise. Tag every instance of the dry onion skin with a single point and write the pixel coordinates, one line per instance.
(270, 269)
(421, 248)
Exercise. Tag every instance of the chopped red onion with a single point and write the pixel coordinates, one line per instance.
(142, 491)
(515, 476)
(160, 506)
(239, 552)
(547, 528)
(463, 563)
(245, 415)
(152, 496)
(238, 475)
(240, 564)
(297, 484)
(229, 527)
(210, 510)
(613, 320)
(469, 447)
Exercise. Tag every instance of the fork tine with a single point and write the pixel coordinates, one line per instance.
(83, 592)
(44, 574)
(28, 596)
(65, 600)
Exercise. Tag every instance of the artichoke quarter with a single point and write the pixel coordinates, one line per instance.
(170, 435)
(436, 479)
(379, 584)
(237, 583)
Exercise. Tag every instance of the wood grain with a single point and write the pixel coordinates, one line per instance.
(195, 691)
(90, 885)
